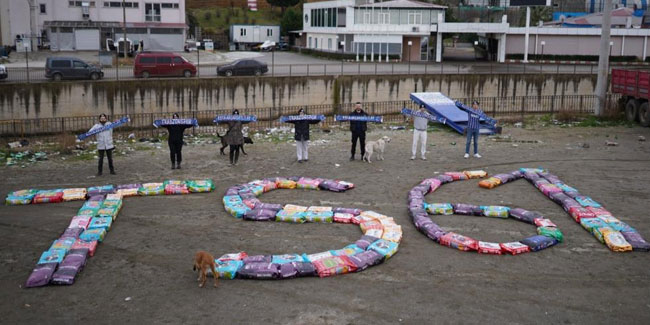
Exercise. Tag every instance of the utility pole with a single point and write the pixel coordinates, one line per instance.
(123, 31)
(603, 60)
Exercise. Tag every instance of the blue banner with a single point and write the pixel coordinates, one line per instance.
(346, 118)
(115, 124)
(408, 112)
(176, 121)
(234, 118)
(488, 119)
(302, 118)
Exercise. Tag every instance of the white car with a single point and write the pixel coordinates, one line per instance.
(267, 46)
(3, 72)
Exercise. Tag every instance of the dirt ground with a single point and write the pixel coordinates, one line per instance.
(142, 272)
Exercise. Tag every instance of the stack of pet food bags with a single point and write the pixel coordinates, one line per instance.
(380, 240)
(616, 234)
(172, 187)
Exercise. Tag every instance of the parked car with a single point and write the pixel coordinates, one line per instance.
(3, 72)
(242, 68)
(283, 46)
(148, 64)
(58, 68)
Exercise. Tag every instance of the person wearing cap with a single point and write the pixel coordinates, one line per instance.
(420, 125)
(358, 129)
(474, 115)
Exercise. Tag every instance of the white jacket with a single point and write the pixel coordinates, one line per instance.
(104, 139)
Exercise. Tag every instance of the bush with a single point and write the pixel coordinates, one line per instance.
(207, 16)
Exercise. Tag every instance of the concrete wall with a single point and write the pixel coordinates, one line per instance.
(574, 45)
(42, 100)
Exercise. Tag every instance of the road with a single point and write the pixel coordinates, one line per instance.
(294, 64)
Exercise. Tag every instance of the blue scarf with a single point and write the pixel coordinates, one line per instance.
(345, 118)
(302, 118)
(430, 117)
(233, 118)
(176, 121)
(115, 124)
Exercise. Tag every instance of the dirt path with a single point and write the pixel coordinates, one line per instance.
(147, 254)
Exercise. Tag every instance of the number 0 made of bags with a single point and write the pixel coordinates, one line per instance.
(380, 240)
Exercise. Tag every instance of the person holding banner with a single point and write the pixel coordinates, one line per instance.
(104, 144)
(473, 127)
(234, 138)
(358, 129)
(175, 141)
(302, 136)
(420, 125)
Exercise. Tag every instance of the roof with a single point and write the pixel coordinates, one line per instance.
(403, 4)
(619, 18)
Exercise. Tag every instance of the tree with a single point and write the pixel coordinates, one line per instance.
(291, 20)
(283, 4)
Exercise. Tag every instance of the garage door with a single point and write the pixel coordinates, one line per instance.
(86, 39)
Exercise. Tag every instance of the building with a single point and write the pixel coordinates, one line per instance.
(243, 37)
(372, 31)
(86, 25)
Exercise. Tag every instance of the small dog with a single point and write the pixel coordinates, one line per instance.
(224, 145)
(376, 146)
(203, 261)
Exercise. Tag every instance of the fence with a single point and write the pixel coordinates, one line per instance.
(505, 108)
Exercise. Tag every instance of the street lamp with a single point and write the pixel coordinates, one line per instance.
(342, 55)
(542, 58)
(475, 46)
(611, 45)
(409, 55)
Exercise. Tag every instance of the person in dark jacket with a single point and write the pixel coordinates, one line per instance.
(302, 136)
(234, 138)
(175, 142)
(358, 129)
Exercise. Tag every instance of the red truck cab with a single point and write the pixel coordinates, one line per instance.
(162, 64)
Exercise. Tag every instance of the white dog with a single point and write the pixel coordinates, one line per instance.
(376, 146)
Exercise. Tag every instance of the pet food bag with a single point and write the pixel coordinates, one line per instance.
(475, 173)
(371, 224)
(108, 212)
(616, 242)
(524, 215)
(294, 208)
(467, 209)
(621, 226)
(608, 219)
(388, 222)
(101, 222)
(335, 186)
(21, 197)
(579, 213)
(505, 178)
(72, 264)
(433, 184)
(384, 247)
(319, 209)
(308, 183)
(324, 217)
(90, 245)
(489, 183)
(172, 189)
(551, 232)
(72, 233)
(260, 215)
(97, 197)
(586, 201)
(601, 232)
(41, 275)
(599, 212)
(349, 250)
(200, 185)
(74, 194)
(539, 242)
(127, 192)
(365, 241)
(392, 233)
(80, 222)
(48, 196)
(286, 258)
(456, 176)
(495, 211)
(287, 271)
(433, 231)
(334, 265)
(354, 212)
(63, 243)
(489, 248)
(565, 188)
(100, 190)
(343, 217)
(459, 242)
(440, 208)
(373, 215)
(269, 206)
(365, 259)
(548, 189)
(151, 189)
(251, 203)
(257, 259)
(304, 269)
(445, 178)
(514, 248)
(259, 270)
(538, 183)
(93, 234)
(374, 232)
(285, 183)
(290, 216)
(559, 197)
(637, 242)
(52, 256)
(228, 269)
(237, 210)
(590, 223)
(316, 256)
(541, 222)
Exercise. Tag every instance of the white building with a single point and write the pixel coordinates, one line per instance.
(85, 25)
(245, 36)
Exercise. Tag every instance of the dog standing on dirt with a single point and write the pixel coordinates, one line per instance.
(202, 262)
(376, 146)
(224, 145)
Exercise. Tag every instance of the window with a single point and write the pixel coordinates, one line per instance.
(329, 43)
(164, 59)
(78, 64)
(384, 18)
(367, 18)
(60, 63)
(177, 59)
(65, 29)
(169, 5)
(118, 4)
(242, 32)
(165, 31)
(152, 11)
(269, 32)
(414, 17)
(147, 60)
(325, 17)
(43, 8)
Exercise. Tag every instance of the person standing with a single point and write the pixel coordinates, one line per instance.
(234, 139)
(474, 115)
(420, 125)
(302, 136)
(175, 142)
(358, 129)
(104, 144)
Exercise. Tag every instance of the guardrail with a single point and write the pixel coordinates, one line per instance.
(510, 108)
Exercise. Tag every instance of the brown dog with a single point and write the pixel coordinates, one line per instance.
(203, 261)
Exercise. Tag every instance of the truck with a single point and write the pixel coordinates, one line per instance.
(634, 86)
